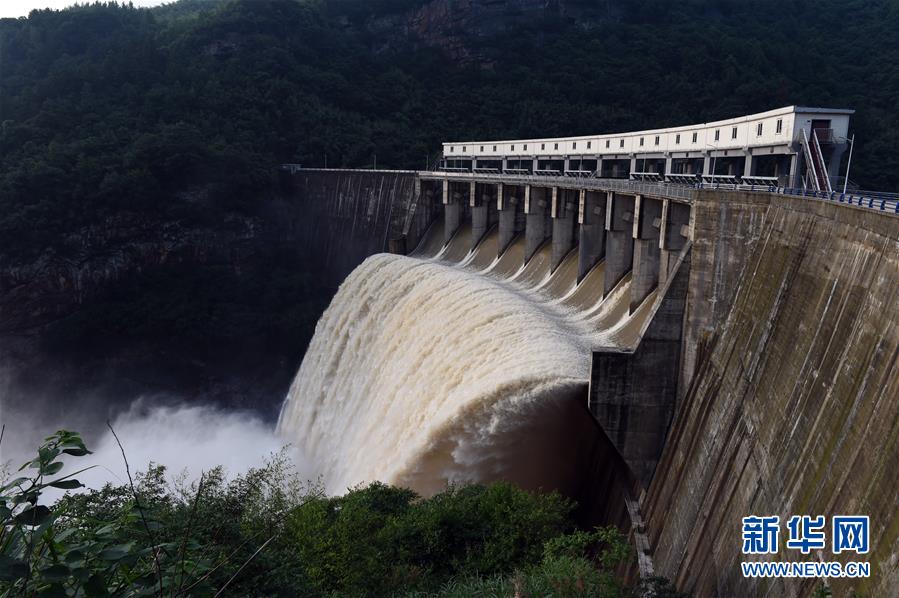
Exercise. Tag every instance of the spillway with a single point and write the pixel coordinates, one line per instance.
(452, 366)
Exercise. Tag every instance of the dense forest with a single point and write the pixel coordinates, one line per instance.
(117, 122)
(107, 109)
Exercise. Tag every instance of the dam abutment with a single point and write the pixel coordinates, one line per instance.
(788, 388)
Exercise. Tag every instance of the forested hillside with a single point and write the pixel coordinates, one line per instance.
(116, 121)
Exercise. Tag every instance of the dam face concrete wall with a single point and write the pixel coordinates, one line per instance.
(348, 216)
(790, 398)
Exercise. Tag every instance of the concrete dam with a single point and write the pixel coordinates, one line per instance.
(676, 357)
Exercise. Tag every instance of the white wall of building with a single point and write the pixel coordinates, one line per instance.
(740, 133)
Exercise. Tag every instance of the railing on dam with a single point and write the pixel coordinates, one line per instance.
(873, 200)
(673, 191)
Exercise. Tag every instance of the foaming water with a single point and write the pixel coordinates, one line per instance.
(422, 373)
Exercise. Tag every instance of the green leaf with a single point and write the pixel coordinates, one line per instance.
(115, 553)
(96, 586)
(64, 535)
(47, 454)
(52, 468)
(33, 516)
(12, 569)
(55, 573)
(77, 452)
(66, 484)
(73, 440)
(107, 530)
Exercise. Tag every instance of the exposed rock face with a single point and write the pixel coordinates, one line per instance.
(33, 294)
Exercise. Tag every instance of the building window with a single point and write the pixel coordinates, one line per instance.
(780, 126)
(695, 137)
(574, 145)
(717, 134)
(452, 149)
(555, 146)
(758, 131)
(543, 146)
(608, 141)
(677, 139)
(621, 143)
(494, 148)
(463, 148)
(525, 147)
(657, 139)
(589, 143)
(482, 148)
(733, 133)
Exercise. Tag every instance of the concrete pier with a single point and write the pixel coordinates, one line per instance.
(673, 234)
(592, 225)
(633, 392)
(535, 209)
(563, 211)
(452, 211)
(619, 239)
(647, 222)
(510, 208)
(479, 202)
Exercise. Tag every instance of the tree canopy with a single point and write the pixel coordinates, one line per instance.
(109, 108)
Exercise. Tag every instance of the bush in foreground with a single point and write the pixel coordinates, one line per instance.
(265, 534)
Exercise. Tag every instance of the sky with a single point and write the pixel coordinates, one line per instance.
(21, 8)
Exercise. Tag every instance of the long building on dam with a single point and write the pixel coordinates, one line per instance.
(750, 311)
(782, 147)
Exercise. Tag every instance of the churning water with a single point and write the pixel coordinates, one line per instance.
(425, 371)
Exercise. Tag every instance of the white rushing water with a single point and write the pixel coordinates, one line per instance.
(422, 373)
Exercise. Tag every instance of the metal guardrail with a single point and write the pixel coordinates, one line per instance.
(873, 200)
(682, 192)
(293, 168)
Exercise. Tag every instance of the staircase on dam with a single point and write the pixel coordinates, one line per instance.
(747, 364)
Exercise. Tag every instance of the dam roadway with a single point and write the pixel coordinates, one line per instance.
(761, 378)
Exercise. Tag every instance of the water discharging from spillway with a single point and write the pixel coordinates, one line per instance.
(425, 371)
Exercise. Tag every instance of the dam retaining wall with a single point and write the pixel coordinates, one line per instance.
(346, 216)
(790, 398)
